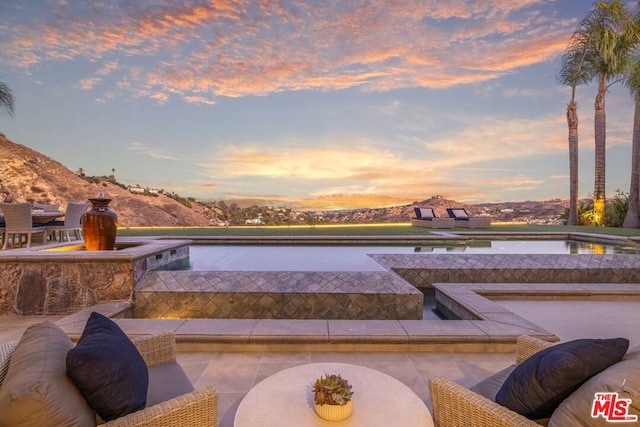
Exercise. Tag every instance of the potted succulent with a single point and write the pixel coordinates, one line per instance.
(332, 397)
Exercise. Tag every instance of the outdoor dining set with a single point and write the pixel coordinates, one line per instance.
(20, 221)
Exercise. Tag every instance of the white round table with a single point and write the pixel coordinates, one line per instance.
(286, 399)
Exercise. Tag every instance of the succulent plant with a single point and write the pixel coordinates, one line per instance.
(332, 390)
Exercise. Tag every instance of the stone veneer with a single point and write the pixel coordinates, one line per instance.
(276, 295)
(47, 280)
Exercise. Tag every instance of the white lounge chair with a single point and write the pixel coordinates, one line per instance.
(426, 217)
(72, 222)
(18, 221)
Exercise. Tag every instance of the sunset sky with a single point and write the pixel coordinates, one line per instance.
(313, 104)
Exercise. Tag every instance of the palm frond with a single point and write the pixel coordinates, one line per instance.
(6, 98)
(600, 45)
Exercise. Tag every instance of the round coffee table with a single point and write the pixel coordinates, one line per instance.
(286, 398)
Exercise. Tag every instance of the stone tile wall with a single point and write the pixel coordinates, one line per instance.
(424, 270)
(276, 295)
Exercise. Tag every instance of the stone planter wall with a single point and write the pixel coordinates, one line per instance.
(36, 282)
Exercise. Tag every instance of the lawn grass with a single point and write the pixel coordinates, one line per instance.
(403, 229)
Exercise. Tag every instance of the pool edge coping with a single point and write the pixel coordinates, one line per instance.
(495, 329)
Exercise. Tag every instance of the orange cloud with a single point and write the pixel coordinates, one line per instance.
(208, 186)
(199, 51)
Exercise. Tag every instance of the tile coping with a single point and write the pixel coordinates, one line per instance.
(493, 328)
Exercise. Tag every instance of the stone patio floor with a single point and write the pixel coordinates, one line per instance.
(235, 371)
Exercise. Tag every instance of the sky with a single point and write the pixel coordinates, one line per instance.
(315, 104)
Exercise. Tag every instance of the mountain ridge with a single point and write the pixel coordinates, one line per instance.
(29, 176)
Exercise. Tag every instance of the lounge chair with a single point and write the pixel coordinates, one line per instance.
(72, 222)
(18, 221)
(426, 217)
(463, 219)
(458, 406)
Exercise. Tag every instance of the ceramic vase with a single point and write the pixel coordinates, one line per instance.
(334, 412)
(100, 226)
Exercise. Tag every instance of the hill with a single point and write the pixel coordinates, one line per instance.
(29, 176)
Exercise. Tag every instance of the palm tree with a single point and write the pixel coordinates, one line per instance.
(632, 220)
(611, 30)
(6, 98)
(573, 73)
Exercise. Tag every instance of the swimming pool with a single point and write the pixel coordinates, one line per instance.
(355, 258)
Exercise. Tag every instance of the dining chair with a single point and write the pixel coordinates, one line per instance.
(18, 222)
(72, 222)
(47, 207)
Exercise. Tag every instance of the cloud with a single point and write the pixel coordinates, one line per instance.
(329, 161)
(207, 186)
(200, 51)
(484, 158)
(497, 139)
(154, 153)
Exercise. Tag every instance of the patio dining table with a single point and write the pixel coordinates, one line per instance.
(41, 217)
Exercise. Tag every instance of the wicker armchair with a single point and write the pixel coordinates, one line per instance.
(457, 406)
(196, 409)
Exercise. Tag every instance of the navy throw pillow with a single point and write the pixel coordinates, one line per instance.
(539, 384)
(108, 369)
(417, 212)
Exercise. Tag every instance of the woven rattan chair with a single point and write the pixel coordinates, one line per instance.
(457, 406)
(196, 409)
(72, 222)
(18, 221)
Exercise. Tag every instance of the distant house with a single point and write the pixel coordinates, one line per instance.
(136, 190)
(140, 190)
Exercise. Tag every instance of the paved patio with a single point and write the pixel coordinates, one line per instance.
(234, 371)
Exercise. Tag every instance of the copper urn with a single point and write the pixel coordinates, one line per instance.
(100, 226)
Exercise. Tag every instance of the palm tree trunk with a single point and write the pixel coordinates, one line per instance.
(599, 200)
(631, 220)
(572, 122)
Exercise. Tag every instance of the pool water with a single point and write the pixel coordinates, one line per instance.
(354, 258)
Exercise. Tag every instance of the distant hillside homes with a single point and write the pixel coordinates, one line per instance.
(140, 190)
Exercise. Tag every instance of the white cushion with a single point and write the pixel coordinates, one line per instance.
(36, 390)
(426, 213)
(460, 213)
(622, 378)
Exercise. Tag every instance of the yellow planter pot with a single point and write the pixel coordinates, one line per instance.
(334, 412)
